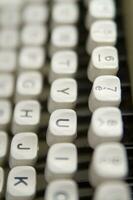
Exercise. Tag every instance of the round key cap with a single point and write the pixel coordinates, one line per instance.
(8, 61)
(102, 33)
(61, 162)
(104, 61)
(29, 85)
(24, 149)
(106, 91)
(63, 38)
(34, 35)
(64, 64)
(109, 162)
(63, 94)
(21, 183)
(113, 190)
(10, 16)
(26, 116)
(100, 10)
(62, 189)
(106, 126)
(65, 13)
(35, 13)
(62, 126)
(9, 38)
(32, 58)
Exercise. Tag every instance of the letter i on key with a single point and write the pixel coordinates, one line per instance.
(61, 162)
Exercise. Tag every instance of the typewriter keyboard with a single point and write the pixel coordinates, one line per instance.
(65, 102)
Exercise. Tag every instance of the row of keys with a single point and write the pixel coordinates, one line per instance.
(22, 183)
(64, 64)
(109, 164)
(30, 58)
(62, 164)
(33, 35)
(62, 158)
(24, 179)
(28, 85)
(33, 13)
(19, 3)
(106, 91)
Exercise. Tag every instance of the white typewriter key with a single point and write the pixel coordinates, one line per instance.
(104, 61)
(29, 85)
(63, 94)
(106, 91)
(106, 126)
(6, 85)
(2, 176)
(9, 39)
(32, 58)
(3, 147)
(21, 183)
(10, 17)
(26, 116)
(5, 114)
(109, 162)
(62, 189)
(35, 13)
(113, 190)
(62, 126)
(63, 37)
(61, 162)
(100, 10)
(34, 35)
(65, 13)
(8, 61)
(102, 33)
(24, 149)
(64, 64)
